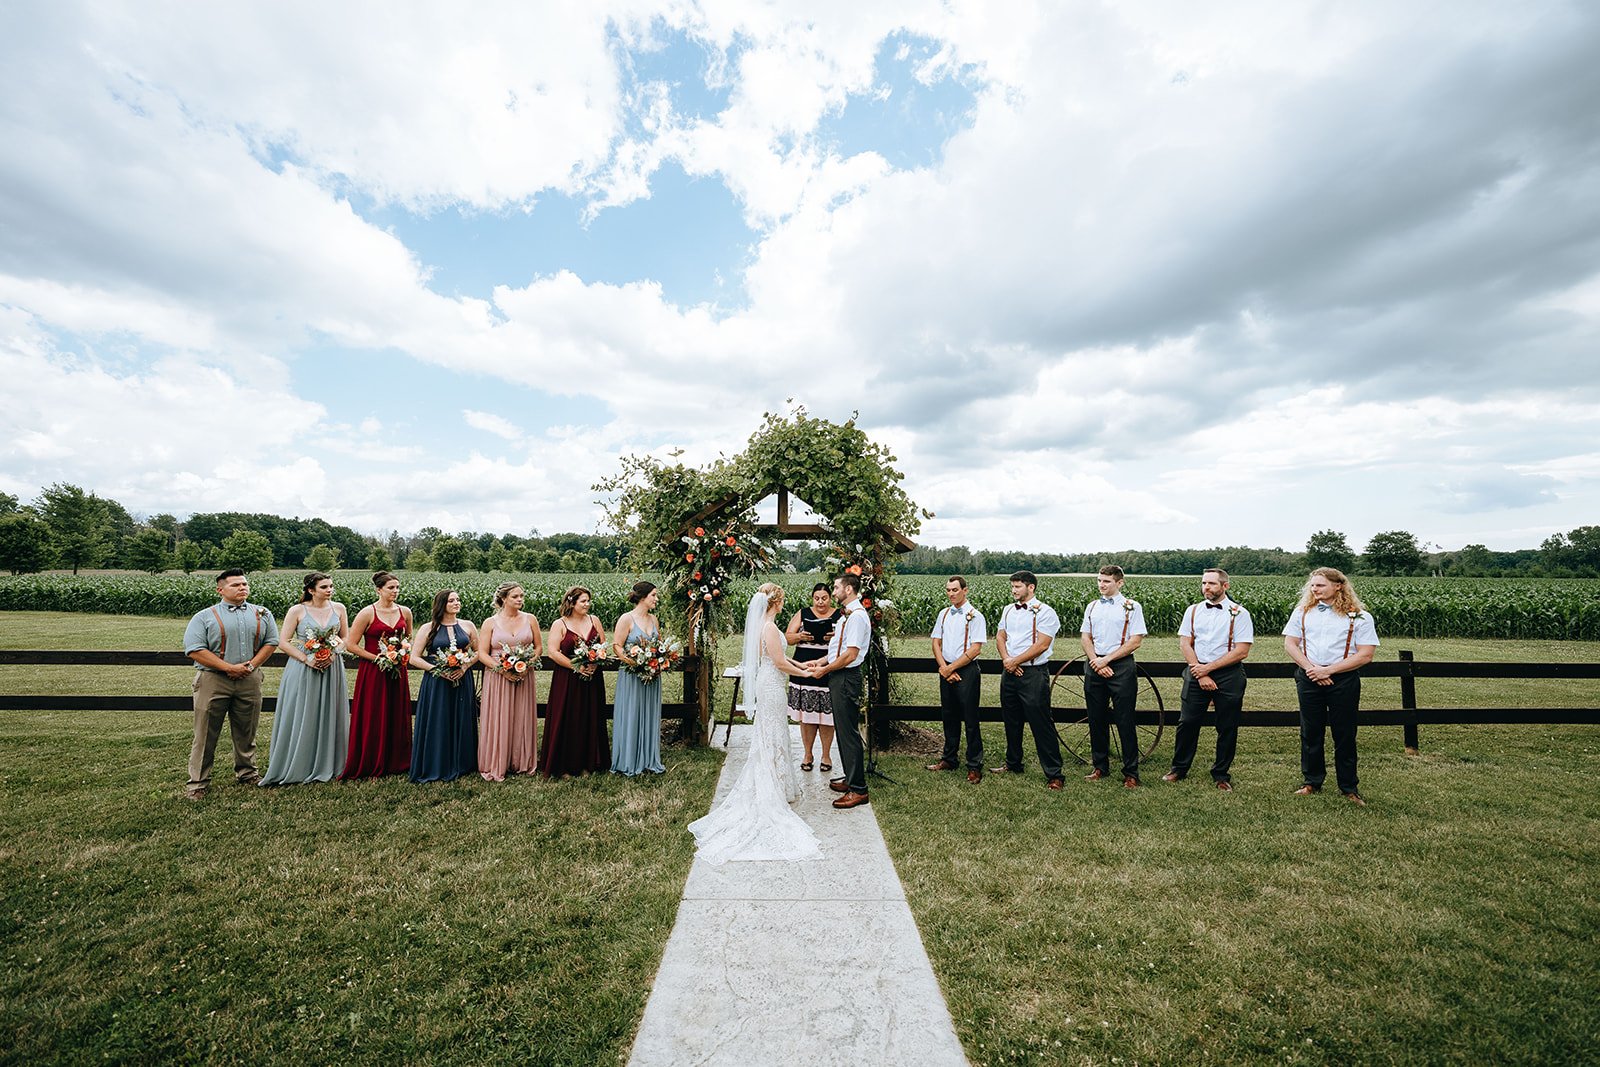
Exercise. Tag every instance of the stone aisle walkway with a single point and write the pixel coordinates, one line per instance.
(813, 962)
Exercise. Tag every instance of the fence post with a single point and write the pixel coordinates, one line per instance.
(1408, 701)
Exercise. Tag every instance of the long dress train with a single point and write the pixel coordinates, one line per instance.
(755, 821)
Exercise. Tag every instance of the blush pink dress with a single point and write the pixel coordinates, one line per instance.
(508, 721)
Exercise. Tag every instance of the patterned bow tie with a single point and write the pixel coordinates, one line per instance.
(1217, 606)
(1107, 600)
(237, 607)
(1324, 607)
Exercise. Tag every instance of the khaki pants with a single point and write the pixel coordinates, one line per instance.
(218, 697)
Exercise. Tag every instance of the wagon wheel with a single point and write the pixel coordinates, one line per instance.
(1066, 691)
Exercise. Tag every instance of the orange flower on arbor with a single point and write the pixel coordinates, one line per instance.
(866, 602)
(854, 568)
(732, 540)
(697, 576)
(688, 557)
(699, 531)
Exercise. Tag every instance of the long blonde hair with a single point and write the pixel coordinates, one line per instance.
(1344, 594)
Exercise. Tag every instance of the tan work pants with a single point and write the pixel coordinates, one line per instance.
(218, 697)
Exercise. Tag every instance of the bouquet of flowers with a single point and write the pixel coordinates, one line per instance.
(648, 657)
(450, 659)
(393, 651)
(589, 654)
(321, 645)
(516, 661)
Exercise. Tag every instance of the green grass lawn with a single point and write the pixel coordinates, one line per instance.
(1454, 920)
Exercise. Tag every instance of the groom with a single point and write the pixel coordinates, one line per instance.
(847, 649)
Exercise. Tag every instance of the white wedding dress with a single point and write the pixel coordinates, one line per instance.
(755, 821)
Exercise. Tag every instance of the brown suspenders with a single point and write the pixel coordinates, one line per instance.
(223, 630)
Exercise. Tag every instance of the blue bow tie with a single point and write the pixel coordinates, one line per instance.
(1107, 600)
(1324, 607)
(237, 607)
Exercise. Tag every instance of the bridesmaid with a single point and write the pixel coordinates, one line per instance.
(380, 711)
(575, 727)
(636, 728)
(311, 726)
(445, 745)
(510, 701)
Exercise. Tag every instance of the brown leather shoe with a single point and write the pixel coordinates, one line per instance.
(839, 785)
(942, 765)
(1355, 798)
(1225, 787)
(974, 777)
(1002, 769)
(850, 800)
(1171, 776)
(1130, 782)
(1056, 783)
(1306, 790)
(1094, 775)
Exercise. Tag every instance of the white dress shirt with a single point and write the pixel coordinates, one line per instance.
(957, 628)
(1104, 619)
(853, 632)
(1210, 624)
(1023, 625)
(1324, 633)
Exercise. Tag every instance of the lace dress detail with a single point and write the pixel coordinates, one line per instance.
(754, 821)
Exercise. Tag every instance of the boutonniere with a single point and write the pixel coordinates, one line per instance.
(969, 613)
(1234, 609)
(1353, 614)
(1129, 605)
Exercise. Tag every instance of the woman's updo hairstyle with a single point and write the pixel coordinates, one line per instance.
(504, 591)
(640, 591)
(312, 581)
(383, 578)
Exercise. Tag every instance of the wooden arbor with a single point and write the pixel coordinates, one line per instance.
(782, 530)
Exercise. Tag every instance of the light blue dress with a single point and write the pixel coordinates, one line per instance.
(311, 723)
(636, 724)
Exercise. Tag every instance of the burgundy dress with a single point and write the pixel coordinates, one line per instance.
(575, 719)
(380, 714)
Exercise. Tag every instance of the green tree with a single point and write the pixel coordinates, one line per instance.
(379, 559)
(1393, 552)
(190, 556)
(1328, 548)
(247, 549)
(80, 525)
(323, 558)
(419, 561)
(9, 504)
(497, 557)
(1584, 545)
(452, 556)
(24, 542)
(147, 551)
(1473, 561)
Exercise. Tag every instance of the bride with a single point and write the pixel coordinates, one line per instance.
(754, 821)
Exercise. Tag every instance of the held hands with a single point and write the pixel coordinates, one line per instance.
(1101, 666)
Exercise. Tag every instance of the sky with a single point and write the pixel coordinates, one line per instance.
(1101, 276)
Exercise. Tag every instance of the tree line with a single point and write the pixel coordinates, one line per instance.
(68, 527)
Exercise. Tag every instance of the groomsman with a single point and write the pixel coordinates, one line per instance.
(847, 651)
(1028, 629)
(228, 642)
(959, 635)
(1215, 638)
(1330, 636)
(1113, 626)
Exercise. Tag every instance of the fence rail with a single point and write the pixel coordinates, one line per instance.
(683, 709)
(1407, 668)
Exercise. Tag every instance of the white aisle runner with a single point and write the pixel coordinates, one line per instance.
(812, 962)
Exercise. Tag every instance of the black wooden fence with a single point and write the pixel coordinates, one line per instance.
(1410, 715)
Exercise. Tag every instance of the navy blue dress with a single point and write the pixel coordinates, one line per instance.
(444, 745)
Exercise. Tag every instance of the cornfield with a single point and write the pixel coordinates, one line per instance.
(1551, 609)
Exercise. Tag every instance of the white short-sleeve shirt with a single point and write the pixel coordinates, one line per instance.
(1324, 633)
(1211, 625)
(1023, 624)
(1104, 619)
(958, 628)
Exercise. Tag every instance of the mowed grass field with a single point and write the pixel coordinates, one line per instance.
(1454, 920)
